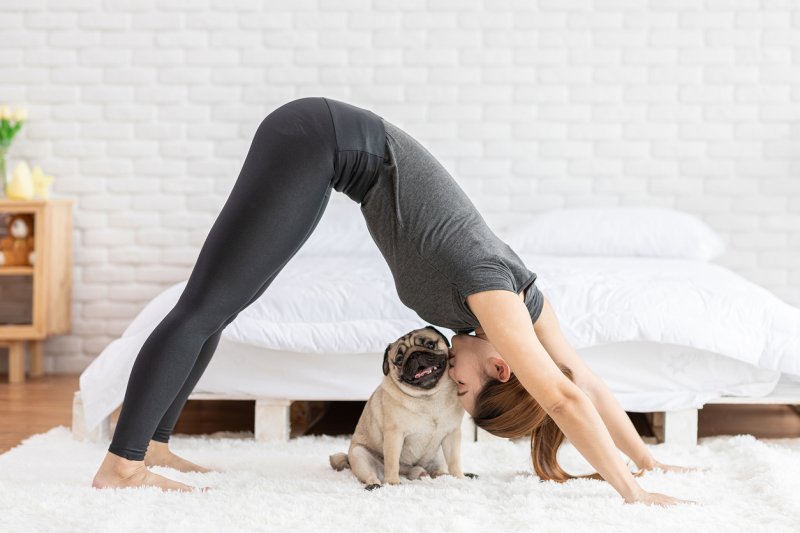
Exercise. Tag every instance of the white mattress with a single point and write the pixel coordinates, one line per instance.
(644, 376)
(336, 299)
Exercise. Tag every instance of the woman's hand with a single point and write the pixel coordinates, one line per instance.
(672, 468)
(654, 498)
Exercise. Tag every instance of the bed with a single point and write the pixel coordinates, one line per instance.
(635, 290)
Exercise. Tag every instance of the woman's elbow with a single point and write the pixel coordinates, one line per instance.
(568, 397)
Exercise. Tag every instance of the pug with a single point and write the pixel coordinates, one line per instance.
(411, 418)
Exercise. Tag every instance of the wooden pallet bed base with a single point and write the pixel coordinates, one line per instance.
(272, 417)
(680, 427)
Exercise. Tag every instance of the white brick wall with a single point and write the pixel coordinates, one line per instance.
(144, 110)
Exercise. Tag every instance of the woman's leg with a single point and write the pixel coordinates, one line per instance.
(158, 452)
(170, 418)
(167, 423)
(281, 192)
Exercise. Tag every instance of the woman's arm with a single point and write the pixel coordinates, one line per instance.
(507, 324)
(622, 430)
(625, 436)
(619, 425)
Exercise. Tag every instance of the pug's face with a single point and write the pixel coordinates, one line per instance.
(417, 360)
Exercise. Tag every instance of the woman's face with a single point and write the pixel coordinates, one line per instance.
(473, 361)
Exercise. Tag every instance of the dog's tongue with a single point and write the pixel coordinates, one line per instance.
(424, 372)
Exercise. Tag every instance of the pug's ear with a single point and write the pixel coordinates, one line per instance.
(447, 342)
(386, 360)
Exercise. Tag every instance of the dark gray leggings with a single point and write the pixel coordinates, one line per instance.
(300, 151)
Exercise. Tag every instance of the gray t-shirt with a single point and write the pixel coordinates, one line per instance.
(437, 245)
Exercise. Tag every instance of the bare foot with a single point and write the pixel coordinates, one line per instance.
(159, 454)
(118, 472)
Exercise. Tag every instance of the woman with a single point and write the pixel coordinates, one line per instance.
(448, 266)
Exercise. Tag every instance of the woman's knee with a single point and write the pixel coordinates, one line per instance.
(200, 316)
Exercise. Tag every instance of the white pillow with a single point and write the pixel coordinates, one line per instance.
(623, 231)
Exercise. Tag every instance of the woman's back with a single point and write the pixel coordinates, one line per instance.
(437, 245)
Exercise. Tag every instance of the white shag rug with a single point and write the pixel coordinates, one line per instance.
(45, 485)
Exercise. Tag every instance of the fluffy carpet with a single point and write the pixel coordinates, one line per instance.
(45, 485)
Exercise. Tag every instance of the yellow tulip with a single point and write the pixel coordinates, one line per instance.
(5, 112)
(20, 114)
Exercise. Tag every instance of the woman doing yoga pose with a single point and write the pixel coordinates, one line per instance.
(516, 376)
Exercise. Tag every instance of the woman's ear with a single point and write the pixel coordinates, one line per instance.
(499, 369)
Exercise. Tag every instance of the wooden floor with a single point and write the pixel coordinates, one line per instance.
(40, 404)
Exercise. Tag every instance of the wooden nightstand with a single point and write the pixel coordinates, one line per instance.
(37, 301)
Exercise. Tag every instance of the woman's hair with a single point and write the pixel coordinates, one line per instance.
(507, 409)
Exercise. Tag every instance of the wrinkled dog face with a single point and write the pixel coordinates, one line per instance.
(417, 360)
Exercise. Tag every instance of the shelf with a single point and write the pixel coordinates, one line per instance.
(45, 288)
(16, 271)
(11, 206)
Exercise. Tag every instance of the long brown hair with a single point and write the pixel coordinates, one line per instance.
(506, 409)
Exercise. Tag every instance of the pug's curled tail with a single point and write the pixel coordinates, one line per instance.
(339, 461)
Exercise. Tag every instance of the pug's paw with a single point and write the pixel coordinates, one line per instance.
(471, 475)
(373, 486)
(417, 472)
(393, 480)
(439, 473)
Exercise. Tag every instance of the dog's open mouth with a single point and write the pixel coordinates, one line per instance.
(425, 371)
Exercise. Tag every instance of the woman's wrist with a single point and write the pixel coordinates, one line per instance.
(646, 461)
(632, 493)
